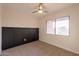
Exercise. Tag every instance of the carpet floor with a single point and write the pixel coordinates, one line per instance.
(36, 48)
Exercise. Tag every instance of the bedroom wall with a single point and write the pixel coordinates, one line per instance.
(17, 15)
(71, 42)
(0, 29)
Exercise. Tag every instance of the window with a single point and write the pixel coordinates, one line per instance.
(62, 26)
(50, 27)
(59, 27)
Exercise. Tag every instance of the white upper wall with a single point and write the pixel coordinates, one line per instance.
(20, 15)
(14, 15)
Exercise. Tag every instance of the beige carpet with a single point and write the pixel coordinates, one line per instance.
(36, 48)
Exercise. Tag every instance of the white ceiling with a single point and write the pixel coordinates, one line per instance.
(29, 7)
(52, 7)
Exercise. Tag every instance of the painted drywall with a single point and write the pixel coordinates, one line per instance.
(16, 15)
(0, 28)
(70, 42)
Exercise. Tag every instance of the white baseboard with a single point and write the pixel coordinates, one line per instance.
(61, 47)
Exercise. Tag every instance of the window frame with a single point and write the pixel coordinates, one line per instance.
(55, 26)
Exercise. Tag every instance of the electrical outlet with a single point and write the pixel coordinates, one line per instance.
(25, 39)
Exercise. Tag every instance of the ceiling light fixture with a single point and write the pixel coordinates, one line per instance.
(40, 9)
